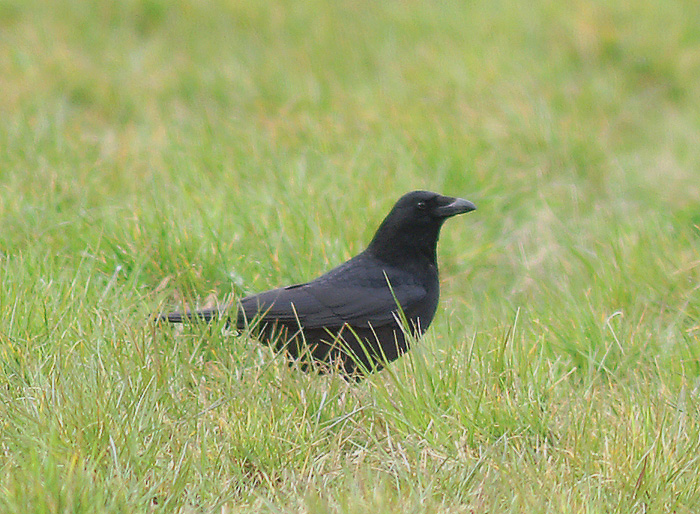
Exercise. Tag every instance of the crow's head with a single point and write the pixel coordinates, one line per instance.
(412, 228)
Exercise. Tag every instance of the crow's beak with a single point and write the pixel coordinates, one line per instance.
(456, 206)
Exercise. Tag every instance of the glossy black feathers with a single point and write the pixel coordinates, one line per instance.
(352, 315)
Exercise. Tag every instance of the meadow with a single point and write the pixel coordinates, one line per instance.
(158, 153)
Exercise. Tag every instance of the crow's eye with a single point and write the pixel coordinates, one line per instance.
(421, 206)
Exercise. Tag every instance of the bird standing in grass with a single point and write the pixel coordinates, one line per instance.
(362, 314)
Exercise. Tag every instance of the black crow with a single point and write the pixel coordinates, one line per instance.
(363, 313)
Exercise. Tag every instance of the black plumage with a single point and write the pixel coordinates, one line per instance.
(351, 315)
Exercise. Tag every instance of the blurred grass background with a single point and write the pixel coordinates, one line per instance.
(155, 152)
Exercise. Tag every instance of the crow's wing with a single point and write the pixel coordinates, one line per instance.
(354, 294)
(314, 307)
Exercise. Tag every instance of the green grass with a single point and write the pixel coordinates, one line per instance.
(154, 153)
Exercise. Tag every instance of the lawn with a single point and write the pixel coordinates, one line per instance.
(158, 153)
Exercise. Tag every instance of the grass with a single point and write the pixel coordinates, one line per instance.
(154, 153)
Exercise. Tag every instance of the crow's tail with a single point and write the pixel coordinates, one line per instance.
(205, 315)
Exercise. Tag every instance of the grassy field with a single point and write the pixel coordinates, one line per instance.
(156, 152)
